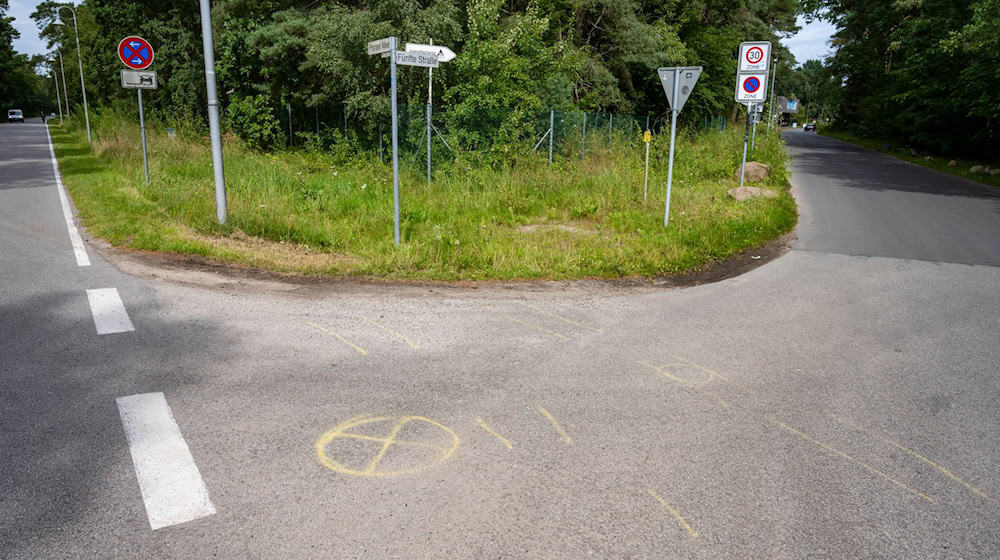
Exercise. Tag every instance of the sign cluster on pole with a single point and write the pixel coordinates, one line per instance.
(137, 54)
(678, 83)
(425, 56)
(751, 86)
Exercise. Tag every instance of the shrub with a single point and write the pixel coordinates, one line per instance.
(251, 118)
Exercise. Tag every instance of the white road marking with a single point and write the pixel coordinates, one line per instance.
(74, 234)
(171, 485)
(109, 311)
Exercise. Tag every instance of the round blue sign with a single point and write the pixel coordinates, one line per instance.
(751, 84)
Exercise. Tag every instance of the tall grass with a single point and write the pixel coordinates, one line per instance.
(332, 212)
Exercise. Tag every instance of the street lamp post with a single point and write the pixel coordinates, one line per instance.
(55, 79)
(771, 111)
(65, 91)
(79, 59)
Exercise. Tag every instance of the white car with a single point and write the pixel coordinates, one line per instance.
(15, 115)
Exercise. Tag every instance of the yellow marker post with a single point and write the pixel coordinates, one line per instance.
(646, 137)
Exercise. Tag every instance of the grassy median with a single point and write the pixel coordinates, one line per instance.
(331, 213)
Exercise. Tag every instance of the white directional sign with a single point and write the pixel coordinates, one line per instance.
(444, 54)
(138, 79)
(688, 78)
(751, 87)
(755, 56)
(380, 46)
(417, 58)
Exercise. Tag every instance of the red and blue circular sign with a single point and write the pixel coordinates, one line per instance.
(135, 52)
(751, 84)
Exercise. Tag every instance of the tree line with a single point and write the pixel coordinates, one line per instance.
(20, 85)
(924, 74)
(516, 57)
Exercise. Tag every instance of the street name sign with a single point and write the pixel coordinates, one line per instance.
(755, 56)
(379, 46)
(135, 52)
(444, 54)
(138, 79)
(425, 59)
(751, 87)
(688, 78)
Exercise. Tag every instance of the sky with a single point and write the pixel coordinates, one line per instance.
(28, 43)
(811, 42)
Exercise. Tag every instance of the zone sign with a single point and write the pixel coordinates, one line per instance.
(755, 56)
(135, 52)
(751, 87)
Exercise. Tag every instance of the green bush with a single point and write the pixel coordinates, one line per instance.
(251, 118)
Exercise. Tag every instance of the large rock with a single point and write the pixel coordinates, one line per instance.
(755, 172)
(994, 172)
(952, 163)
(746, 193)
(977, 169)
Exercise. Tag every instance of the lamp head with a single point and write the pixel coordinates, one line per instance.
(58, 20)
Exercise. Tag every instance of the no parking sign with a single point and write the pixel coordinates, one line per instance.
(135, 52)
(751, 87)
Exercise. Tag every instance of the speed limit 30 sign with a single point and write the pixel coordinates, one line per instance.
(755, 56)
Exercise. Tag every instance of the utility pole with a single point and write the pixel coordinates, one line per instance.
(213, 112)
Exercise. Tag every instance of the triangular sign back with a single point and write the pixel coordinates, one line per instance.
(688, 77)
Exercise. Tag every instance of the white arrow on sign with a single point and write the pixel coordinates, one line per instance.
(444, 54)
(688, 78)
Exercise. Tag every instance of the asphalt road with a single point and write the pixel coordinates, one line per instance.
(838, 402)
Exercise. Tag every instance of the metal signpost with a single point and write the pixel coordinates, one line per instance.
(751, 85)
(444, 54)
(677, 82)
(137, 54)
(388, 45)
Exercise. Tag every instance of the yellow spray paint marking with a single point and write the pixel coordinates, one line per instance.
(943, 470)
(440, 453)
(676, 515)
(689, 384)
(412, 344)
(482, 424)
(340, 338)
(527, 324)
(552, 420)
(561, 318)
(843, 455)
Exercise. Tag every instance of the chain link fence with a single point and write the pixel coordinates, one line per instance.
(554, 135)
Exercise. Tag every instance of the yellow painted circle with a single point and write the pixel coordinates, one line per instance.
(392, 428)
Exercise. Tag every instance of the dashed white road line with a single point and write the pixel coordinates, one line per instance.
(109, 311)
(171, 485)
(74, 234)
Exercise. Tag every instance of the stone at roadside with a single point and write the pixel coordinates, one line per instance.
(977, 169)
(927, 158)
(952, 163)
(994, 172)
(755, 172)
(746, 193)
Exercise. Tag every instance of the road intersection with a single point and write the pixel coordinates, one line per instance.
(840, 401)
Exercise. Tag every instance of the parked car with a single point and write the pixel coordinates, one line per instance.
(15, 115)
(809, 127)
